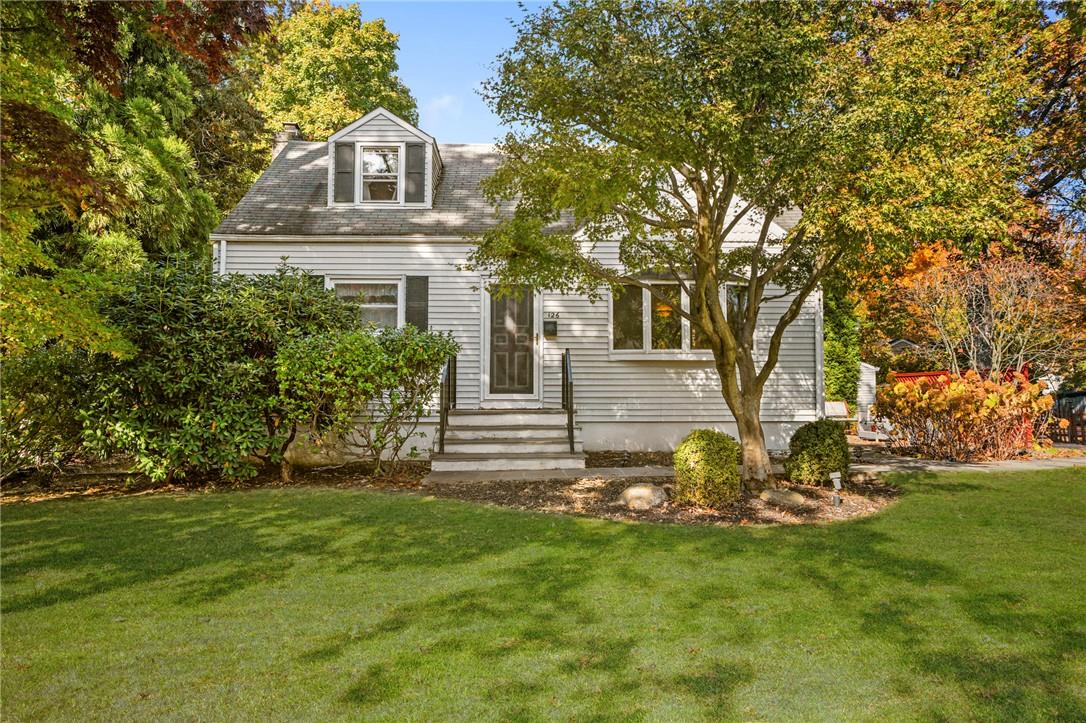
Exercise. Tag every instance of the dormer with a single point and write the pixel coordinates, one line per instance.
(382, 161)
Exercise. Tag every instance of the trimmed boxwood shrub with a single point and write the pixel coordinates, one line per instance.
(707, 469)
(816, 450)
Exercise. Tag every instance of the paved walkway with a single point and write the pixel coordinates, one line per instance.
(858, 471)
(908, 464)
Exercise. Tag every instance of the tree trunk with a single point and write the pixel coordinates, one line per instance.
(743, 395)
(286, 470)
(756, 471)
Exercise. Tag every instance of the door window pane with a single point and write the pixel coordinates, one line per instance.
(667, 325)
(377, 302)
(628, 331)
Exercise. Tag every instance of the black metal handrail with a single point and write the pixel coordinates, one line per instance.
(447, 399)
(567, 396)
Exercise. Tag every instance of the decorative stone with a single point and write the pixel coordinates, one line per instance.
(642, 496)
(304, 453)
(783, 498)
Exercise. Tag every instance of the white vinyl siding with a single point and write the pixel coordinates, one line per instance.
(454, 299)
(608, 389)
(677, 388)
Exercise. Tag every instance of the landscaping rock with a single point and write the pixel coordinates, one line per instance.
(784, 498)
(642, 497)
(303, 453)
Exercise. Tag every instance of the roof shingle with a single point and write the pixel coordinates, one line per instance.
(291, 199)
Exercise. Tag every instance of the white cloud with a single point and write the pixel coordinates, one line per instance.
(444, 106)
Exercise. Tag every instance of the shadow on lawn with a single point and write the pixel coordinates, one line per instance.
(538, 602)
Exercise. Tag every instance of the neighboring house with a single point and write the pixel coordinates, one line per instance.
(388, 222)
(866, 426)
(900, 346)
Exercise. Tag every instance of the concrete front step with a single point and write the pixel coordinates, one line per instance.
(499, 445)
(506, 431)
(464, 462)
(463, 418)
(508, 439)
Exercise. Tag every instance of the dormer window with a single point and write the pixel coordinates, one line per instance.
(381, 174)
(381, 160)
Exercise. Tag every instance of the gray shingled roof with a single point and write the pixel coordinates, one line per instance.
(291, 199)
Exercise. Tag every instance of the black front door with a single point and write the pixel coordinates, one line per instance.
(512, 339)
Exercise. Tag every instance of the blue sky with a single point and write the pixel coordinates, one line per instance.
(446, 50)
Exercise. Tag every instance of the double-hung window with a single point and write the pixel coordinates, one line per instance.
(650, 324)
(392, 174)
(381, 174)
(379, 301)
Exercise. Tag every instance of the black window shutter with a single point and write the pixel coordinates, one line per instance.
(417, 311)
(344, 176)
(415, 173)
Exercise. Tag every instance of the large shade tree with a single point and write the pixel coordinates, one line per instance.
(675, 127)
(327, 67)
(95, 173)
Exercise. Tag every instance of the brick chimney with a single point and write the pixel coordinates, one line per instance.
(290, 132)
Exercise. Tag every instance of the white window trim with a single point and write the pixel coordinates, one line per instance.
(401, 152)
(401, 179)
(647, 352)
(401, 303)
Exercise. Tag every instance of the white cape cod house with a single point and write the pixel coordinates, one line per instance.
(385, 214)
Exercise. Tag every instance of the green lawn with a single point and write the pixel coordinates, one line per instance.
(964, 600)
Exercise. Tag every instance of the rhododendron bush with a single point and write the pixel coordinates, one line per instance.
(965, 417)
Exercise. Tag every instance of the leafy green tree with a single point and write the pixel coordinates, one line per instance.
(200, 393)
(671, 126)
(328, 68)
(841, 341)
(227, 134)
(94, 174)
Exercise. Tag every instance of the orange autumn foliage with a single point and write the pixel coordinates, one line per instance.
(965, 417)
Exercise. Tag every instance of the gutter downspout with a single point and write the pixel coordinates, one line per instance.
(222, 257)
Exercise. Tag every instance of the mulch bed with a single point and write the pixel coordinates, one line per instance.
(595, 497)
(590, 495)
